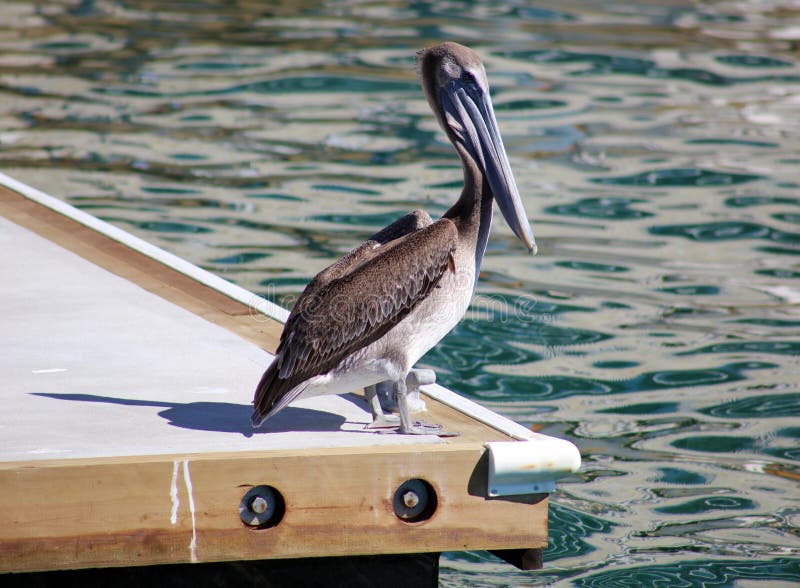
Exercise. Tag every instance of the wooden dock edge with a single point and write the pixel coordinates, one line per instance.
(145, 510)
(69, 514)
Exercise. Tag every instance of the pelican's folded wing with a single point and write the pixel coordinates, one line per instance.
(357, 308)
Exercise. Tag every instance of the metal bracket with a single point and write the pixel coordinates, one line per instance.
(530, 467)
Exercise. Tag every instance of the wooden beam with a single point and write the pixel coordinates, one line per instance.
(68, 514)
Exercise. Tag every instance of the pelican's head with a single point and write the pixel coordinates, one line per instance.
(457, 89)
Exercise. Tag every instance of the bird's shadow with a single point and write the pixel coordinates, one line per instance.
(221, 417)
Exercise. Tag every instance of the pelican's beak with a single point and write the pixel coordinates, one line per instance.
(469, 113)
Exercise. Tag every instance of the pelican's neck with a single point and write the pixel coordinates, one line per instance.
(472, 213)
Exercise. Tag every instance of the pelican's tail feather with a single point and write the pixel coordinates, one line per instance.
(273, 394)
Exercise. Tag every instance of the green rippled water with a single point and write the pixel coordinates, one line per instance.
(656, 148)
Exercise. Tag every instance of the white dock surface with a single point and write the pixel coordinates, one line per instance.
(93, 365)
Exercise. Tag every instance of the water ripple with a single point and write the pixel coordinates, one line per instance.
(680, 177)
(726, 230)
(602, 64)
(605, 208)
(509, 387)
(568, 531)
(749, 347)
(703, 573)
(765, 406)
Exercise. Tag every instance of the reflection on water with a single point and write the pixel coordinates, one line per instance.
(656, 147)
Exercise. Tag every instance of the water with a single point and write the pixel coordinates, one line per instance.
(657, 148)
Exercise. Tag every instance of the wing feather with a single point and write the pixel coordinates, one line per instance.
(405, 225)
(333, 319)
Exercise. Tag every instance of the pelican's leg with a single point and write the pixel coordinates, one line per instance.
(409, 427)
(415, 379)
(387, 396)
(380, 420)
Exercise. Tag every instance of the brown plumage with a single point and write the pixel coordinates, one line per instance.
(350, 304)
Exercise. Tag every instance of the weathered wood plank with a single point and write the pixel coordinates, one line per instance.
(64, 515)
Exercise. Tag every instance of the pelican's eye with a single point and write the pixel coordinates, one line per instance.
(468, 77)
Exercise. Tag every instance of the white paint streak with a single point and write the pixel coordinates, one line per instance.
(188, 481)
(173, 494)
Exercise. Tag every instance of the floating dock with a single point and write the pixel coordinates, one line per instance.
(125, 439)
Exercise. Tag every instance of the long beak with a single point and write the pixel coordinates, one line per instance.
(476, 127)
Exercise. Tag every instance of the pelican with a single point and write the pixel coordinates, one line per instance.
(369, 317)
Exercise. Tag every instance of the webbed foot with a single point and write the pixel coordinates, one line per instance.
(423, 428)
(384, 421)
(414, 427)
